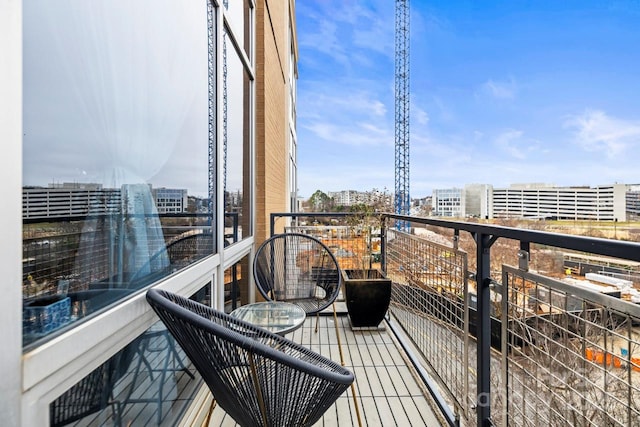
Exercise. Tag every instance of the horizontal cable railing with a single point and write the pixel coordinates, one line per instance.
(501, 321)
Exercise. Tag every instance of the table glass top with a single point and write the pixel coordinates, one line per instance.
(277, 317)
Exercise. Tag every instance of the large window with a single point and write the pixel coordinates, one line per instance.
(237, 134)
(115, 152)
(124, 160)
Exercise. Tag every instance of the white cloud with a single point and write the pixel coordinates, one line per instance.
(375, 33)
(421, 117)
(373, 129)
(444, 110)
(356, 119)
(511, 142)
(378, 108)
(594, 130)
(325, 40)
(358, 134)
(338, 24)
(338, 102)
(500, 90)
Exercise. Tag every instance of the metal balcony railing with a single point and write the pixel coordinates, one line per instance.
(509, 332)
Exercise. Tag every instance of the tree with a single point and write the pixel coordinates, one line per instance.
(319, 201)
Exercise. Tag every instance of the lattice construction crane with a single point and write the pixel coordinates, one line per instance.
(402, 199)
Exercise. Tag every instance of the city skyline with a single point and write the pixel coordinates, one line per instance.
(501, 93)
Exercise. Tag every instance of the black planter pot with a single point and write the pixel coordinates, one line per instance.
(367, 294)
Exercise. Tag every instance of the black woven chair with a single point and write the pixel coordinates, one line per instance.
(258, 378)
(299, 269)
(94, 392)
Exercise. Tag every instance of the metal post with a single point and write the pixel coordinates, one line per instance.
(504, 344)
(272, 224)
(524, 256)
(383, 244)
(483, 328)
(235, 291)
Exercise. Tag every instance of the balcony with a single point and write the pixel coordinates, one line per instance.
(506, 335)
(387, 389)
(486, 327)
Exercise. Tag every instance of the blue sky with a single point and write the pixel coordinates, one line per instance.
(502, 92)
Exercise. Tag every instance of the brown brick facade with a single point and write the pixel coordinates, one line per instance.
(272, 111)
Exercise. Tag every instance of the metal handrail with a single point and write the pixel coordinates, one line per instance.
(485, 235)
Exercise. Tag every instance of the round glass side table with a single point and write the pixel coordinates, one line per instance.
(277, 317)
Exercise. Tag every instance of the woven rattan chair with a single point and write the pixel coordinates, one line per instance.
(257, 377)
(299, 269)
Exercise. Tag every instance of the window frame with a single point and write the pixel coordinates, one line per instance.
(41, 374)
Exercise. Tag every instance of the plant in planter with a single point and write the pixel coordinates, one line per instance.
(367, 294)
(367, 291)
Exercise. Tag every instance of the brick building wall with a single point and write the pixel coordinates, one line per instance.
(274, 18)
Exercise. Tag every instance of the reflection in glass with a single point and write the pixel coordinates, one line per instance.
(239, 14)
(132, 239)
(150, 381)
(236, 285)
(236, 140)
(115, 153)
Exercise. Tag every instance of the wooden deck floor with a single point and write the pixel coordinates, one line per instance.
(386, 387)
(387, 392)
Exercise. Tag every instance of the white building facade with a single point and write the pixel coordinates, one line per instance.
(633, 201)
(170, 200)
(478, 200)
(538, 201)
(448, 202)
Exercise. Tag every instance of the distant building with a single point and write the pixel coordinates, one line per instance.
(424, 202)
(545, 201)
(352, 197)
(421, 206)
(81, 199)
(346, 197)
(478, 200)
(448, 202)
(68, 200)
(170, 200)
(633, 201)
(539, 201)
